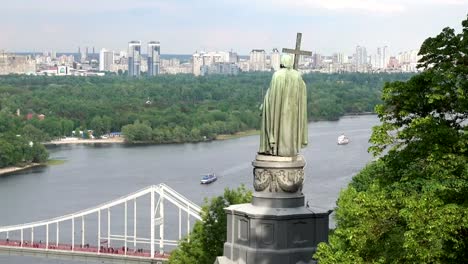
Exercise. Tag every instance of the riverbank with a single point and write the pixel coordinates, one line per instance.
(8, 170)
(114, 140)
(238, 134)
(121, 140)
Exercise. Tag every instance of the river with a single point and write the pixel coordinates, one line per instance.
(93, 174)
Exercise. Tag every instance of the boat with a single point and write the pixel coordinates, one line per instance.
(342, 140)
(208, 178)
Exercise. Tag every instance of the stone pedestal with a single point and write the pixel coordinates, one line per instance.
(276, 227)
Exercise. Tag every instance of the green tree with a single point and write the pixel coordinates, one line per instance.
(208, 237)
(106, 124)
(97, 126)
(67, 127)
(77, 132)
(34, 134)
(138, 132)
(39, 153)
(411, 206)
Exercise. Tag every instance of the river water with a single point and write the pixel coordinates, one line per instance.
(95, 174)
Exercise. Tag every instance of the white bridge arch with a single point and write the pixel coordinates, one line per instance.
(158, 194)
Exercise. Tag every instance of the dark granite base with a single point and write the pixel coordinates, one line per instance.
(265, 235)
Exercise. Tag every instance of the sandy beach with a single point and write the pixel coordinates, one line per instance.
(15, 169)
(86, 141)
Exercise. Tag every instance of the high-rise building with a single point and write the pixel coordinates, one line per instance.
(381, 59)
(84, 55)
(197, 60)
(134, 58)
(257, 60)
(339, 58)
(233, 57)
(154, 60)
(106, 59)
(317, 60)
(360, 59)
(275, 59)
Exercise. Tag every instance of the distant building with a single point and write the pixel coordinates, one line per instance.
(224, 68)
(233, 57)
(134, 58)
(63, 70)
(257, 60)
(197, 62)
(84, 55)
(56, 71)
(154, 52)
(275, 59)
(393, 63)
(210, 58)
(381, 59)
(408, 60)
(106, 60)
(17, 64)
(340, 58)
(317, 60)
(360, 59)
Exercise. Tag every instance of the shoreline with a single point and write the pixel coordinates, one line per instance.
(237, 135)
(121, 140)
(116, 140)
(8, 170)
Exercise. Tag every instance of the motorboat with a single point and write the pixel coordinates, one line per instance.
(342, 140)
(208, 178)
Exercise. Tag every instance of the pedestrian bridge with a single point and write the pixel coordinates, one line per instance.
(120, 231)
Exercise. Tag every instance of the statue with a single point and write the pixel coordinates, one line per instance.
(284, 113)
(277, 227)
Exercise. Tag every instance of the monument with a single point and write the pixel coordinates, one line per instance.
(277, 227)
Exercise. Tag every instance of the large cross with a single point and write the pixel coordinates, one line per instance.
(297, 51)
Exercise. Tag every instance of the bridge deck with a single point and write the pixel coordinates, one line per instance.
(65, 251)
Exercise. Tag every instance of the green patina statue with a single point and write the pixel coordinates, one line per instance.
(284, 113)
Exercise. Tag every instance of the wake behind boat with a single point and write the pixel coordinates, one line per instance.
(208, 178)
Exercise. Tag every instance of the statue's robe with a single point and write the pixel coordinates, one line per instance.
(284, 113)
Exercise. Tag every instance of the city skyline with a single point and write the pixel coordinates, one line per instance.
(327, 26)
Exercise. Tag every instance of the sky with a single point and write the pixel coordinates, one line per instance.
(186, 26)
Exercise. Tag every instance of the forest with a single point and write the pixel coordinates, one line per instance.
(166, 108)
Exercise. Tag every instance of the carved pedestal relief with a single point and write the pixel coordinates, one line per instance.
(278, 180)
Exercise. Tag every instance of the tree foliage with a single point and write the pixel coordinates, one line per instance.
(19, 143)
(411, 206)
(178, 108)
(206, 241)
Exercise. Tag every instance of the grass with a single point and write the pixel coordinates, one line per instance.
(238, 134)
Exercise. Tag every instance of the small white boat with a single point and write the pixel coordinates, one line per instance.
(208, 178)
(342, 140)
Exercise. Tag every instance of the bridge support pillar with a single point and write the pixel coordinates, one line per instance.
(99, 232)
(152, 223)
(161, 226)
(47, 237)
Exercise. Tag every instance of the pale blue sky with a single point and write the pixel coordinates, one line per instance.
(184, 26)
